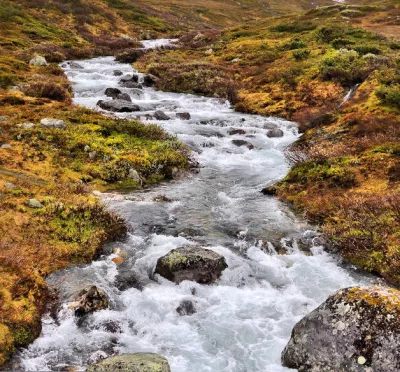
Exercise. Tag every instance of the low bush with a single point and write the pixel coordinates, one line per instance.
(389, 95)
(47, 90)
(294, 27)
(301, 54)
(130, 55)
(6, 80)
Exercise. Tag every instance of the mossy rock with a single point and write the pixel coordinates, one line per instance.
(201, 265)
(140, 362)
(356, 329)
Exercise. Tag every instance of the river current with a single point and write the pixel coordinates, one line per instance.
(243, 322)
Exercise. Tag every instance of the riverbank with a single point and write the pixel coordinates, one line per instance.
(339, 81)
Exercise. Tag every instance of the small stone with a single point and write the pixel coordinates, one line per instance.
(161, 115)
(87, 148)
(92, 155)
(112, 92)
(186, 308)
(275, 133)
(6, 146)
(361, 360)
(53, 124)
(117, 73)
(137, 92)
(9, 185)
(76, 65)
(27, 125)
(38, 61)
(270, 126)
(89, 300)
(209, 52)
(183, 116)
(124, 97)
(233, 132)
(34, 203)
(240, 143)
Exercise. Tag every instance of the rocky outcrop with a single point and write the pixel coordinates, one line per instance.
(191, 263)
(53, 124)
(140, 362)
(118, 105)
(89, 300)
(161, 115)
(356, 329)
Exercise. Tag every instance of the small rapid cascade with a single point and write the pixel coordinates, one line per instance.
(278, 271)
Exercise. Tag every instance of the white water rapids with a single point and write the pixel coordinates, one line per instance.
(242, 322)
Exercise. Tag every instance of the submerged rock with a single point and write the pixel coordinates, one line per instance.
(126, 78)
(161, 115)
(186, 307)
(117, 73)
(191, 263)
(183, 115)
(233, 132)
(76, 65)
(118, 105)
(141, 362)
(53, 124)
(275, 133)
(112, 92)
(240, 143)
(356, 329)
(89, 300)
(124, 97)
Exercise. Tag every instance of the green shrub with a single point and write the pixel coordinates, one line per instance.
(327, 34)
(367, 49)
(294, 44)
(389, 95)
(47, 90)
(341, 42)
(6, 80)
(294, 27)
(301, 54)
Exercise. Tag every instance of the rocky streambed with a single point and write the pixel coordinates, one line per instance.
(213, 274)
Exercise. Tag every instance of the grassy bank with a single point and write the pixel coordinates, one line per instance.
(345, 173)
(49, 217)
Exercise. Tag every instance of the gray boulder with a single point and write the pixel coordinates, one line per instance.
(124, 97)
(141, 362)
(118, 105)
(38, 61)
(53, 124)
(89, 300)
(183, 115)
(356, 329)
(270, 126)
(191, 263)
(117, 73)
(131, 84)
(112, 92)
(126, 78)
(27, 125)
(161, 115)
(240, 143)
(275, 133)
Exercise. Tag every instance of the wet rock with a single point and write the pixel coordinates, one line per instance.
(233, 132)
(6, 146)
(38, 61)
(109, 326)
(127, 279)
(137, 92)
(89, 300)
(270, 126)
(126, 78)
(150, 80)
(112, 92)
(275, 133)
(118, 105)
(356, 329)
(141, 362)
(270, 190)
(75, 65)
(53, 124)
(161, 115)
(183, 115)
(117, 73)
(34, 203)
(124, 97)
(191, 263)
(186, 307)
(240, 143)
(132, 84)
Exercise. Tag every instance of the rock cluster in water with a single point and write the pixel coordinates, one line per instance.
(356, 329)
(191, 263)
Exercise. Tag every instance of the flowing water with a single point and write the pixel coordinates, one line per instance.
(243, 322)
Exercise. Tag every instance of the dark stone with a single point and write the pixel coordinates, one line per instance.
(356, 329)
(275, 133)
(124, 97)
(89, 300)
(118, 73)
(186, 307)
(191, 263)
(118, 105)
(240, 143)
(236, 131)
(270, 190)
(109, 326)
(150, 80)
(112, 92)
(132, 85)
(126, 78)
(183, 115)
(127, 279)
(161, 115)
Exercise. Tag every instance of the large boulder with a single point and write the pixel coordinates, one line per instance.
(191, 263)
(141, 362)
(89, 300)
(112, 92)
(356, 329)
(53, 124)
(118, 105)
(161, 115)
(124, 97)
